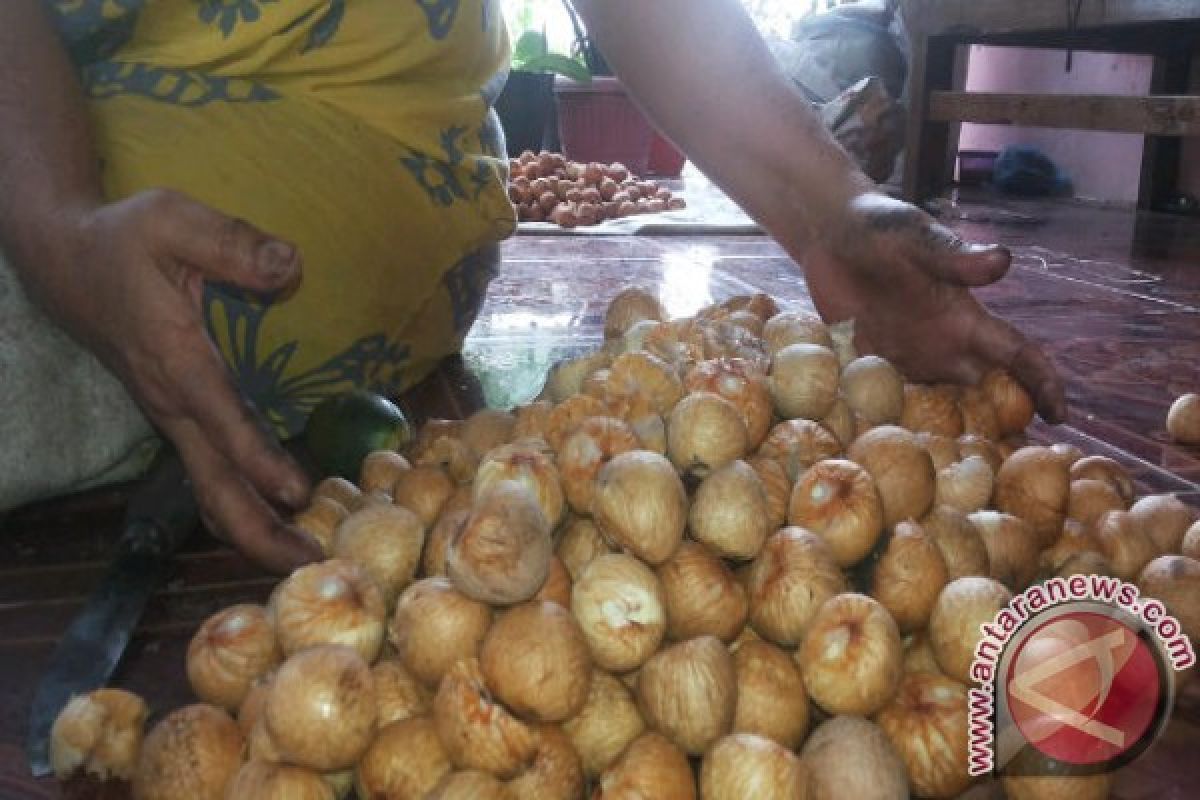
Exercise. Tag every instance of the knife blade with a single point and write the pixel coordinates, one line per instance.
(160, 515)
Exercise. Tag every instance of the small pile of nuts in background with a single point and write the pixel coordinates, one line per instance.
(546, 187)
(723, 557)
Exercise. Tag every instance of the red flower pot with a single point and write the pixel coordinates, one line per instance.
(666, 160)
(598, 121)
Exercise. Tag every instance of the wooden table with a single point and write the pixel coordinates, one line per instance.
(1119, 310)
(1169, 30)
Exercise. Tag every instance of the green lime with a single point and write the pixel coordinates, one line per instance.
(345, 428)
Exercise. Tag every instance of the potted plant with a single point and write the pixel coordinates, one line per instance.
(598, 121)
(525, 104)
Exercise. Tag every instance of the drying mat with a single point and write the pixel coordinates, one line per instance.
(665, 223)
(708, 211)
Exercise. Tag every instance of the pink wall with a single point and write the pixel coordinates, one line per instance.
(1103, 166)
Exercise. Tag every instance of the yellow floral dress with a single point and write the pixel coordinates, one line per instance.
(361, 130)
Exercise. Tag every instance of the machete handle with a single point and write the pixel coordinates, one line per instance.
(162, 511)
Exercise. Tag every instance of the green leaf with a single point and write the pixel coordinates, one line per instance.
(560, 64)
(531, 45)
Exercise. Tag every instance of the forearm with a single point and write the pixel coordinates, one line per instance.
(701, 71)
(48, 170)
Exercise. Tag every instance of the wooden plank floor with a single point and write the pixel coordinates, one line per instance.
(1114, 296)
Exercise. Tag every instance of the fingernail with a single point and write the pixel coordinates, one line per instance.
(311, 549)
(276, 259)
(973, 248)
(294, 494)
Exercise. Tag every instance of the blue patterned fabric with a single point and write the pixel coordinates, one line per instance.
(95, 29)
(326, 27)
(177, 86)
(466, 285)
(319, 122)
(228, 14)
(285, 396)
(440, 14)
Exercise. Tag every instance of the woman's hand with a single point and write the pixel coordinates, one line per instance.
(906, 282)
(125, 279)
(127, 282)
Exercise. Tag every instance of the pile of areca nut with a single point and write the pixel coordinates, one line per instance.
(722, 557)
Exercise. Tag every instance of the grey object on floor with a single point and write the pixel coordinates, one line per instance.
(851, 64)
(830, 52)
(66, 423)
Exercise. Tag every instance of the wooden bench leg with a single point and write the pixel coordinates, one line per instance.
(918, 106)
(1162, 155)
(933, 68)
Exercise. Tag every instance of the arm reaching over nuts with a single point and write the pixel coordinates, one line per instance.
(701, 71)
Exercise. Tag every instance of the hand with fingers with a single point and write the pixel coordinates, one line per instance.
(906, 282)
(131, 291)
